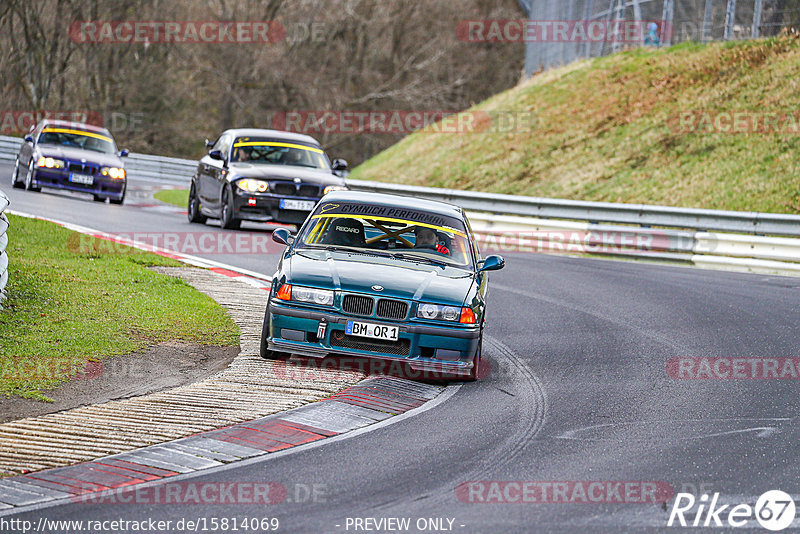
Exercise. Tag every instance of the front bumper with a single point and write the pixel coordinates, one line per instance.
(438, 349)
(101, 186)
(266, 207)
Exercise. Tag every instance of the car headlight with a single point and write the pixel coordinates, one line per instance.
(439, 313)
(114, 172)
(333, 188)
(50, 163)
(320, 297)
(253, 186)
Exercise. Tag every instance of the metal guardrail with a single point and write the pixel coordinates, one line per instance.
(174, 170)
(655, 232)
(3, 246)
(601, 212)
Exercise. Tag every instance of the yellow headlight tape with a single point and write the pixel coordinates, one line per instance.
(79, 132)
(389, 219)
(289, 145)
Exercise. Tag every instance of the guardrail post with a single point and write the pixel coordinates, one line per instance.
(756, 33)
(3, 246)
(730, 19)
(707, 20)
(667, 20)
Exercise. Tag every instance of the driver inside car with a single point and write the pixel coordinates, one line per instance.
(427, 238)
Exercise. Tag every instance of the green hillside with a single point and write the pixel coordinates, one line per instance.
(610, 129)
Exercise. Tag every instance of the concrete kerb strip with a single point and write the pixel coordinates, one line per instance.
(119, 475)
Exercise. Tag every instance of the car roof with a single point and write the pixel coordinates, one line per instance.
(72, 124)
(384, 199)
(277, 134)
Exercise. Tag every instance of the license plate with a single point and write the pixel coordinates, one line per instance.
(302, 205)
(374, 331)
(86, 179)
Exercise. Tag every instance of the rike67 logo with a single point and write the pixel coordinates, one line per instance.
(774, 510)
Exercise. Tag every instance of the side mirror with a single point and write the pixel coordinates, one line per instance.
(28, 138)
(282, 236)
(339, 165)
(492, 263)
(208, 143)
(216, 154)
(124, 153)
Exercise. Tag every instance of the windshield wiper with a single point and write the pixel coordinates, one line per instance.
(359, 250)
(416, 257)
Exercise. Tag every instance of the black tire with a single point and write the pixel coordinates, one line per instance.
(15, 181)
(29, 179)
(265, 352)
(121, 199)
(98, 198)
(193, 209)
(477, 361)
(226, 218)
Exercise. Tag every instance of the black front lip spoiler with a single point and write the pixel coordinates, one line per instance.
(459, 368)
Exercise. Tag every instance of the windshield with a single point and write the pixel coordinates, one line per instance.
(249, 150)
(387, 230)
(77, 139)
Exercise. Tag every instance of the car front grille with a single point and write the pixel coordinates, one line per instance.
(392, 309)
(283, 188)
(81, 168)
(357, 305)
(308, 190)
(295, 190)
(401, 347)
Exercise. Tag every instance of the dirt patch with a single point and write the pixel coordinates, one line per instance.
(157, 368)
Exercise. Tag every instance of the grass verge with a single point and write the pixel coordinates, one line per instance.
(177, 197)
(609, 129)
(73, 299)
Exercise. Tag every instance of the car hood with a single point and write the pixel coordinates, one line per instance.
(78, 154)
(282, 172)
(357, 273)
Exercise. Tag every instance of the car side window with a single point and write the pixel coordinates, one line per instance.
(223, 144)
(36, 131)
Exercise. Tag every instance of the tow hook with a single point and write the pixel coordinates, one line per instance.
(323, 326)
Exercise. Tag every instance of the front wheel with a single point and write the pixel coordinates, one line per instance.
(15, 181)
(265, 351)
(193, 209)
(29, 180)
(121, 198)
(226, 219)
(477, 363)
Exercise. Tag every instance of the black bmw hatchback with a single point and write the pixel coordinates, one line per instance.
(263, 176)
